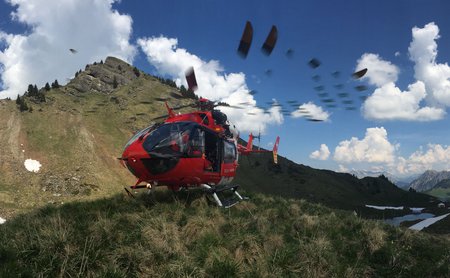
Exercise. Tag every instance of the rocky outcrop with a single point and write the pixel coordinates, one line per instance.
(104, 77)
(429, 179)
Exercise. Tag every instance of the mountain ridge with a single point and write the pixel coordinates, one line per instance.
(429, 180)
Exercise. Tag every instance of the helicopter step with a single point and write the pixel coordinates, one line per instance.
(226, 203)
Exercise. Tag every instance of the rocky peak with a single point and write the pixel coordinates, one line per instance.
(104, 77)
(429, 179)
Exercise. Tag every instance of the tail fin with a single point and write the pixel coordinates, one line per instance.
(275, 150)
(250, 142)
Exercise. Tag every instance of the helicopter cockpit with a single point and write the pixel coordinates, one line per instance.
(180, 139)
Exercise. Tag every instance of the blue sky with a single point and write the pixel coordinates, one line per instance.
(338, 33)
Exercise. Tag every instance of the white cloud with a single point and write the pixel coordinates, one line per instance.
(397, 54)
(213, 83)
(380, 72)
(42, 54)
(311, 111)
(322, 154)
(343, 169)
(435, 157)
(390, 103)
(373, 148)
(423, 51)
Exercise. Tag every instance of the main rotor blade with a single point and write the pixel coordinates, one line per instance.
(270, 41)
(359, 74)
(191, 80)
(314, 63)
(246, 40)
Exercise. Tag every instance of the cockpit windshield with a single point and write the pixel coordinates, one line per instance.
(138, 134)
(175, 139)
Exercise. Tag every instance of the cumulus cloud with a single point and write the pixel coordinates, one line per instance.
(373, 148)
(322, 154)
(213, 83)
(42, 54)
(311, 111)
(435, 157)
(423, 52)
(390, 103)
(380, 72)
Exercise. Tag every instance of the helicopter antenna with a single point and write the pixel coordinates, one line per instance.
(259, 138)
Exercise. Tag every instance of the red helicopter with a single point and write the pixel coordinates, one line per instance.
(197, 149)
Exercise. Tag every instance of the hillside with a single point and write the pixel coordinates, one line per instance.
(181, 235)
(76, 135)
(337, 190)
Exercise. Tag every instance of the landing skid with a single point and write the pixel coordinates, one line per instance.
(226, 203)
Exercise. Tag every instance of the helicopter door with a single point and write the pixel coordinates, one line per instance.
(212, 152)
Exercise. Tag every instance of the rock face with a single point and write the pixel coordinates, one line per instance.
(429, 180)
(104, 77)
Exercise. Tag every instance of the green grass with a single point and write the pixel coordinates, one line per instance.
(181, 235)
(441, 193)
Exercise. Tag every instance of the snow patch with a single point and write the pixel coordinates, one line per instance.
(2, 220)
(383, 208)
(427, 222)
(416, 210)
(32, 165)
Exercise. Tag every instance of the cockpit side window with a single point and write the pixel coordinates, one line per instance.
(196, 146)
(229, 152)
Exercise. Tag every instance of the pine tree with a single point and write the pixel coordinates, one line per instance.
(55, 84)
(18, 100)
(29, 92)
(35, 90)
(47, 87)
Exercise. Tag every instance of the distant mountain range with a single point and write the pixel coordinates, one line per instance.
(402, 182)
(431, 179)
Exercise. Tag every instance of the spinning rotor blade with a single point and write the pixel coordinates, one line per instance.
(160, 117)
(191, 80)
(319, 88)
(359, 74)
(314, 63)
(290, 53)
(246, 40)
(361, 88)
(160, 99)
(336, 74)
(270, 42)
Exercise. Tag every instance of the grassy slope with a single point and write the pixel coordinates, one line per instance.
(264, 237)
(257, 173)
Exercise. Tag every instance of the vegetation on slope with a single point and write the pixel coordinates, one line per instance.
(184, 236)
